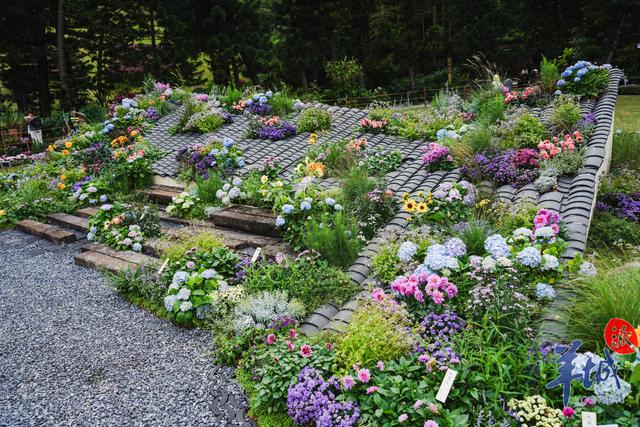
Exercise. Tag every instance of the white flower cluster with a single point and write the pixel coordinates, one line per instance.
(230, 192)
(182, 203)
(90, 193)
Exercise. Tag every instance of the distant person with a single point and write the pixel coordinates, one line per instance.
(34, 127)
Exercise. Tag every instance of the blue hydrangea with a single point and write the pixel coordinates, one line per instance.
(529, 257)
(209, 273)
(550, 262)
(455, 247)
(180, 277)
(588, 269)
(329, 201)
(280, 221)
(104, 198)
(545, 292)
(522, 233)
(557, 92)
(406, 251)
(439, 258)
(184, 293)
(576, 80)
(169, 300)
(566, 73)
(497, 246)
(611, 391)
(137, 247)
(441, 133)
(287, 209)
(337, 207)
(269, 94)
(305, 206)
(581, 72)
(561, 83)
(228, 142)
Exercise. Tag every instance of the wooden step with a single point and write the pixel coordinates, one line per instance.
(98, 261)
(47, 231)
(87, 212)
(128, 256)
(162, 194)
(246, 218)
(73, 222)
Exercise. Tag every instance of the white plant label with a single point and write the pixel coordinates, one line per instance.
(589, 419)
(447, 384)
(164, 264)
(256, 254)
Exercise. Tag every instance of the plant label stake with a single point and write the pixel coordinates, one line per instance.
(447, 384)
(256, 254)
(589, 419)
(164, 264)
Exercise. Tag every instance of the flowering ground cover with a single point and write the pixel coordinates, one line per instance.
(454, 278)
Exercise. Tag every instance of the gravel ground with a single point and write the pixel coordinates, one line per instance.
(74, 353)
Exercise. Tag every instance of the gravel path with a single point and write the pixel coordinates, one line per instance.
(74, 353)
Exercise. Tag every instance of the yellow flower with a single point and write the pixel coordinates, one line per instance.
(264, 179)
(68, 144)
(51, 148)
(420, 194)
(1, 213)
(410, 219)
(61, 186)
(410, 205)
(65, 152)
(405, 196)
(116, 154)
(482, 203)
(313, 138)
(62, 177)
(422, 207)
(278, 184)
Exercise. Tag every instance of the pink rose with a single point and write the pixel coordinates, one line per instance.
(372, 389)
(306, 350)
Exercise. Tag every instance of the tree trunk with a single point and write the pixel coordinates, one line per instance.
(236, 72)
(62, 72)
(412, 77)
(305, 81)
(154, 46)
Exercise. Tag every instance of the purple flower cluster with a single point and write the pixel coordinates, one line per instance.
(275, 133)
(76, 186)
(151, 114)
(258, 108)
(441, 326)
(513, 167)
(625, 206)
(283, 322)
(313, 400)
(436, 156)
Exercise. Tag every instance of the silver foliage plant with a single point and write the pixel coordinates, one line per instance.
(259, 310)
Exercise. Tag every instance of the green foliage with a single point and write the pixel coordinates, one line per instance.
(626, 150)
(609, 231)
(589, 85)
(566, 114)
(345, 75)
(527, 132)
(565, 163)
(208, 123)
(510, 217)
(314, 282)
(620, 181)
(386, 263)
(549, 75)
(479, 139)
(380, 161)
(376, 331)
(488, 105)
(335, 239)
(281, 104)
(599, 299)
(474, 236)
(143, 285)
(207, 188)
(314, 120)
(337, 159)
(189, 110)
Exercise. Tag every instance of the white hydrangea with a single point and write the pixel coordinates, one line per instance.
(184, 293)
(549, 262)
(588, 269)
(521, 234)
(186, 306)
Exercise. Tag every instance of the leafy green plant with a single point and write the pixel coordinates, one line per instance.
(474, 236)
(207, 187)
(378, 330)
(386, 263)
(281, 104)
(599, 299)
(527, 132)
(488, 105)
(141, 287)
(479, 139)
(312, 281)
(609, 231)
(566, 114)
(549, 75)
(314, 120)
(345, 75)
(335, 239)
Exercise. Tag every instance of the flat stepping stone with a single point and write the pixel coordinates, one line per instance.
(73, 222)
(47, 231)
(128, 256)
(98, 261)
(87, 212)
(247, 218)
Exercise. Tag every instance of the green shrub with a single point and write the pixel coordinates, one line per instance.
(312, 281)
(566, 114)
(488, 106)
(376, 331)
(386, 262)
(281, 104)
(599, 299)
(345, 75)
(620, 181)
(142, 288)
(207, 188)
(314, 120)
(527, 132)
(626, 150)
(479, 139)
(474, 236)
(335, 239)
(632, 89)
(337, 159)
(549, 75)
(608, 230)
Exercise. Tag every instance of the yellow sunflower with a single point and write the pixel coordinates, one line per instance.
(410, 205)
(422, 207)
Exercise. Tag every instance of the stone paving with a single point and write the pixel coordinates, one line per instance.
(73, 352)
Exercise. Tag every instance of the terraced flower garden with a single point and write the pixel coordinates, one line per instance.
(346, 261)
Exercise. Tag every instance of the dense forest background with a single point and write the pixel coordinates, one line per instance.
(64, 53)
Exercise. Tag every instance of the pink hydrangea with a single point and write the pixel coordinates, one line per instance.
(430, 423)
(364, 375)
